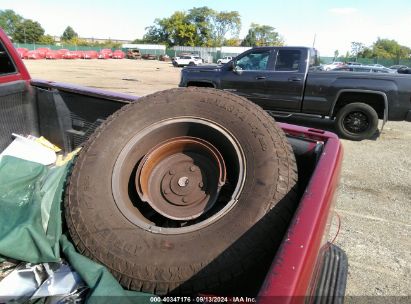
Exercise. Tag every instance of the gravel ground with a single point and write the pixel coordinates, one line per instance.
(374, 203)
(137, 77)
(374, 199)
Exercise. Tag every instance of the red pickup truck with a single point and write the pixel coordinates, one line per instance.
(304, 268)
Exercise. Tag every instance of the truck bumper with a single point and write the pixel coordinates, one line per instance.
(332, 277)
(408, 116)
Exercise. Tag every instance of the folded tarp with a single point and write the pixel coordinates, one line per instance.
(31, 227)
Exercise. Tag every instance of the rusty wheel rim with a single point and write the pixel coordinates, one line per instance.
(178, 175)
(181, 177)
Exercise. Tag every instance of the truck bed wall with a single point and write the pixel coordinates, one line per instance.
(68, 119)
(18, 112)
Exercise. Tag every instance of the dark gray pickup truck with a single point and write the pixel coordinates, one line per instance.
(285, 82)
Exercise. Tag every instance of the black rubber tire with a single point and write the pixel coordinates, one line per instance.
(199, 260)
(363, 108)
(191, 64)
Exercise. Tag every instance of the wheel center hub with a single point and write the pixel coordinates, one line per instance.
(183, 181)
(181, 177)
(182, 186)
(356, 122)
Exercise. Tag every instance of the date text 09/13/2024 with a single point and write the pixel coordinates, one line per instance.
(202, 299)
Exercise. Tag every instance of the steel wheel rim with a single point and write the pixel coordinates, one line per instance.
(356, 122)
(200, 219)
(191, 173)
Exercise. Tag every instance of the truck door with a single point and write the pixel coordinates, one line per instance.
(247, 78)
(285, 85)
(17, 109)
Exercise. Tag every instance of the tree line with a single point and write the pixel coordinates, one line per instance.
(382, 48)
(199, 26)
(203, 26)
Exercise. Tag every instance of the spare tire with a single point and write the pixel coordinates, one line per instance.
(182, 191)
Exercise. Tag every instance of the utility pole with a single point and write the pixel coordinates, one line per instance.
(315, 36)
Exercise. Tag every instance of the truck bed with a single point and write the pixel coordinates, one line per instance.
(304, 265)
(67, 115)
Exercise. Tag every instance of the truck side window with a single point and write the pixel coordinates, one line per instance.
(254, 61)
(288, 60)
(6, 64)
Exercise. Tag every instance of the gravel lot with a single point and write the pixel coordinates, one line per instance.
(374, 199)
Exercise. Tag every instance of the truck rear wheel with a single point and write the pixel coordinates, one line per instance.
(357, 121)
(182, 191)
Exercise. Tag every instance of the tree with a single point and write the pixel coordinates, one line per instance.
(156, 34)
(382, 48)
(77, 41)
(356, 48)
(250, 39)
(386, 48)
(175, 30)
(262, 35)
(336, 53)
(46, 39)
(367, 52)
(68, 34)
(202, 18)
(232, 42)
(226, 22)
(9, 20)
(28, 31)
(200, 26)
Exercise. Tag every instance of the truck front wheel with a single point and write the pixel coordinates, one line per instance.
(357, 121)
(182, 191)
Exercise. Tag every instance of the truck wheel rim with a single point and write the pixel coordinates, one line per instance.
(356, 122)
(181, 177)
(189, 180)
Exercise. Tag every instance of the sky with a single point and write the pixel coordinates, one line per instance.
(334, 23)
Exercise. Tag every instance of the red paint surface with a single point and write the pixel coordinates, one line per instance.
(70, 55)
(290, 276)
(53, 55)
(22, 73)
(118, 54)
(89, 55)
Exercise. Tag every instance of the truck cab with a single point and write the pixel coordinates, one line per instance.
(267, 74)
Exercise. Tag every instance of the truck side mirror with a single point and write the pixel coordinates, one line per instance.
(236, 69)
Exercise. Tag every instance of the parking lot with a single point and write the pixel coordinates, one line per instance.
(374, 199)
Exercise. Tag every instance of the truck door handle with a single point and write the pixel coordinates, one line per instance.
(294, 79)
(260, 77)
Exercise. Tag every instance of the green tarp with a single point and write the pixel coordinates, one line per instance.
(31, 227)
